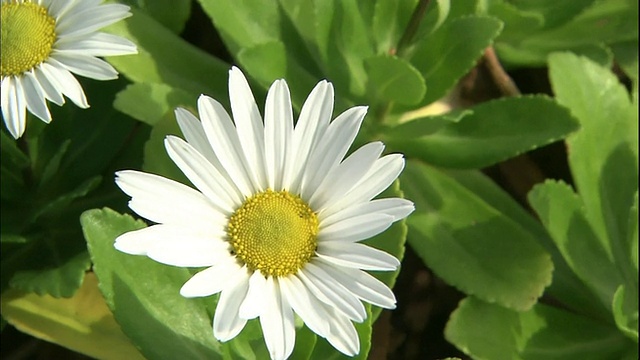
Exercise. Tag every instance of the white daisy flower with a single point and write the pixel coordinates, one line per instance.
(43, 42)
(278, 215)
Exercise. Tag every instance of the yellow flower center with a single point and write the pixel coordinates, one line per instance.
(28, 34)
(273, 232)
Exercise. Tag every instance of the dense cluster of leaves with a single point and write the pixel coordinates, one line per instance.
(580, 255)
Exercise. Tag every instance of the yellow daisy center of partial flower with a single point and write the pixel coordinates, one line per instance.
(28, 34)
(274, 233)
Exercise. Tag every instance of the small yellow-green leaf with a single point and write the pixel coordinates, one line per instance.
(82, 323)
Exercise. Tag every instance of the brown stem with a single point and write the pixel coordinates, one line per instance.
(500, 77)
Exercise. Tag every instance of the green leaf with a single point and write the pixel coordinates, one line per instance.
(170, 13)
(565, 288)
(626, 55)
(49, 265)
(11, 153)
(437, 13)
(156, 159)
(450, 52)
(633, 234)
(163, 57)
(390, 19)
(603, 155)
(602, 23)
(495, 131)
(561, 211)
(265, 71)
(423, 126)
(82, 323)
(625, 311)
(150, 102)
(144, 295)
(554, 12)
(388, 74)
(471, 244)
(488, 331)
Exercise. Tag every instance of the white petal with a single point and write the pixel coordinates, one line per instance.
(331, 148)
(356, 255)
(64, 82)
(307, 306)
(90, 19)
(226, 322)
(312, 124)
(203, 175)
(396, 207)
(13, 106)
(382, 174)
(356, 228)
(212, 280)
(343, 335)
(344, 176)
(248, 125)
(97, 44)
(175, 246)
(331, 293)
(253, 305)
(362, 285)
(51, 92)
(193, 132)
(225, 143)
(277, 323)
(86, 65)
(168, 202)
(278, 133)
(35, 97)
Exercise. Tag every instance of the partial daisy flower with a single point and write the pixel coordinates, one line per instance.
(278, 215)
(43, 42)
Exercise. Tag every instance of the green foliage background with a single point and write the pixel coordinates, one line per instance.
(554, 277)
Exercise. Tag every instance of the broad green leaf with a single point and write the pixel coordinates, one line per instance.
(144, 295)
(305, 343)
(82, 323)
(489, 331)
(603, 155)
(625, 311)
(566, 287)
(388, 74)
(424, 126)
(447, 54)
(149, 102)
(495, 131)
(170, 13)
(471, 244)
(561, 211)
(163, 57)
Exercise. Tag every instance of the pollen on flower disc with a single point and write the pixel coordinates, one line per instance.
(274, 233)
(28, 35)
